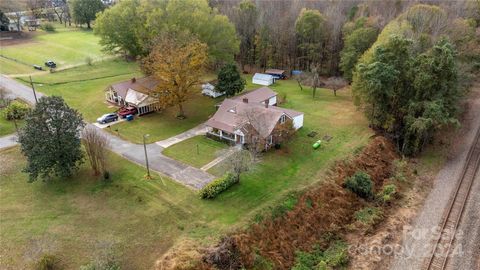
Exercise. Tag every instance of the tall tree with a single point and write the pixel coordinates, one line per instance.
(229, 80)
(50, 139)
(118, 28)
(311, 36)
(150, 19)
(245, 22)
(177, 62)
(84, 11)
(356, 43)
(406, 95)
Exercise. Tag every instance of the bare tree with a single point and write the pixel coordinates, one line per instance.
(335, 83)
(239, 162)
(315, 80)
(96, 145)
(258, 130)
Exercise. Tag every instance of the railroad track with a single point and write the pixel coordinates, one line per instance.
(443, 245)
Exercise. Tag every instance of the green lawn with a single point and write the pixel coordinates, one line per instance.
(8, 127)
(83, 87)
(196, 151)
(164, 124)
(66, 48)
(145, 218)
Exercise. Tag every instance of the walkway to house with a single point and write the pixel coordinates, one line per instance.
(221, 158)
(196, 131)
(182, 173)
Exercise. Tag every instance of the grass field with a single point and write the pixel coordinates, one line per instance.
(164, 124)
(8, 127)
(196, 151)
(75, 214)
(83, 87)
(67, 47)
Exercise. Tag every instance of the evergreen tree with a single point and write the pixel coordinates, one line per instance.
(229, 80)
(50, 139)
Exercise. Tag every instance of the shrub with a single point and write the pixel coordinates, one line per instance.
(399, 168)
(361, 184)
(369, 215)
(335, 256)
(219, 185)
(47, 262)
(387, 194)
(16, 110)
(48, 27)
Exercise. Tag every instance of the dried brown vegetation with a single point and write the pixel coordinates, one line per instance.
(320, 211)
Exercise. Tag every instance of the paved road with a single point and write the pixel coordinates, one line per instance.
(182, 173)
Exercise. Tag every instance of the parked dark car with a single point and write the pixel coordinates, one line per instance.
(50, 64)
(37, 67)
(107, 118)
(124, 111)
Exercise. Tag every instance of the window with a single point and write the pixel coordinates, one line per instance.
(283, 118)
(270, 139)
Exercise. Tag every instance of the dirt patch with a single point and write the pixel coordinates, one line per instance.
(16, 38)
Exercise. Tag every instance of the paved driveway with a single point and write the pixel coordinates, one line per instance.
(182, 173)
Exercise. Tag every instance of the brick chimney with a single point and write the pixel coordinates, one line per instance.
(266, 103)
(134, 80)
(245, 100)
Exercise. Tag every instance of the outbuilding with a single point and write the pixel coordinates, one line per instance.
(263, 79)
(278, 74)
(208, 89)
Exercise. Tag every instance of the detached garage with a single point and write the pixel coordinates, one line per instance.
(263, 79)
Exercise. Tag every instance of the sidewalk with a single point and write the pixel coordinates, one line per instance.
(182, 173)
(196, 131)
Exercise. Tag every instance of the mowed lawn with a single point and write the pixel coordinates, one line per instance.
(164, 124)
(68, 47)
(196, 151)
(8, 127)
(143, 219)
(83, 88)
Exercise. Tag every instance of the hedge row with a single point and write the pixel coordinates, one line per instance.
(217, 186)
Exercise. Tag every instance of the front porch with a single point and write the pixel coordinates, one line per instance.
(230, 138)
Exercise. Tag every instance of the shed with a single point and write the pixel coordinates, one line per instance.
(276, 73)
(208, 89)
(263, 79)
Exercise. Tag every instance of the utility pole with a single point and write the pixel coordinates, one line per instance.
(145, 136)
(33, 88)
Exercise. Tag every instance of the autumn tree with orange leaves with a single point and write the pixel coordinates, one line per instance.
(177, 62)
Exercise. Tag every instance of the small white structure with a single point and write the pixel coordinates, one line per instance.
(208, 89)
(263, 79)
